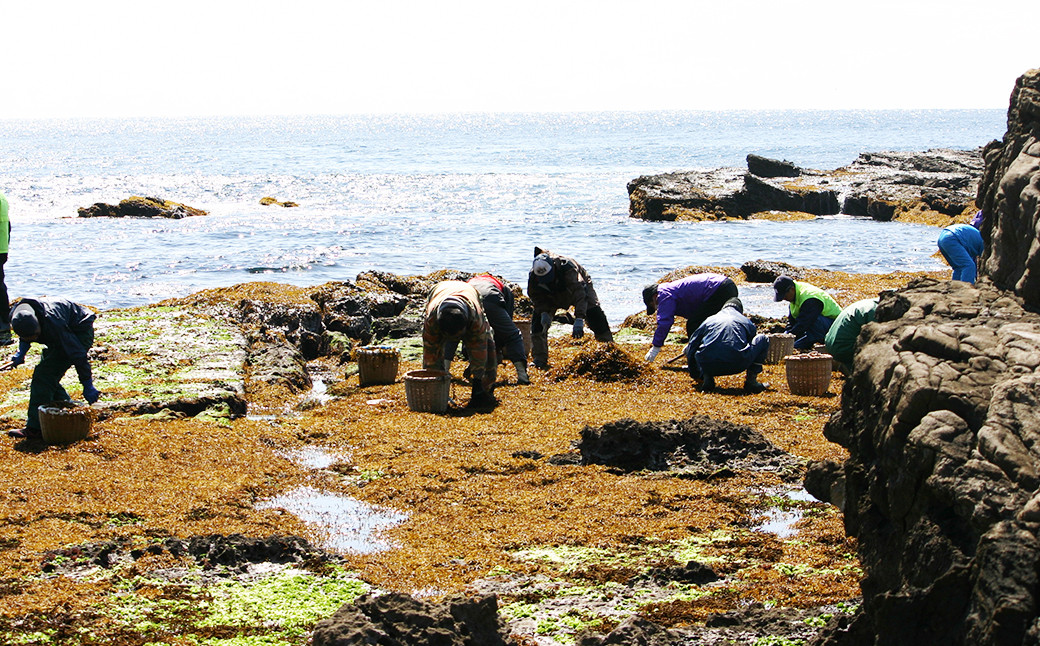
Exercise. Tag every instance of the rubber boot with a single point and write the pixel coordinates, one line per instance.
(521, 373)
(708, 385)
(751, 382)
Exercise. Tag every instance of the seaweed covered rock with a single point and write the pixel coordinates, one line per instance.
(936, 186)
(766, 271)
(699, 446)
(604, 363)
(1009, 195)
(141, 207)
(941, 424)
(396, 619)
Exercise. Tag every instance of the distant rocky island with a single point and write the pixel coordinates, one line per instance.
(934, 187)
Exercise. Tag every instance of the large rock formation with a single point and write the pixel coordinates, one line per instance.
(941, 421)
(936, 186)
(1009, 195)
(941, 418)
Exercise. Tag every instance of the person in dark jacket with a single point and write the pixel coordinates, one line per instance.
(67, 329)
(727, 343)
(695, 298)
(498, 303)
(558, 282)
(812, 310)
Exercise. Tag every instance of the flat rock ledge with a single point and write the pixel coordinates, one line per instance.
(938, 186)
(941, 418)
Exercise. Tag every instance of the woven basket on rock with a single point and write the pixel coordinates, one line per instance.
(808, 374)
(427, 391)
(780, 346)
(377, 364)
(65, 422)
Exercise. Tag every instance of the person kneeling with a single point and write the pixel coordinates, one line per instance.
(727, 344)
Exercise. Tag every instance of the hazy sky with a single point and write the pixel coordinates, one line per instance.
(142, 58)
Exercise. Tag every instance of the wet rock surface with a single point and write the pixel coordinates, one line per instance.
(1009, 195)
(141, 207)
(400, 620)
(940, 421)
(234, 552)
(699, 447)
(883, 186)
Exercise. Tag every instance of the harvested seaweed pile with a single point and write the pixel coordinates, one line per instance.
(700, 447)
(604, 363)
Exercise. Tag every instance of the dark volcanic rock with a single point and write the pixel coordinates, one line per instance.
(396, 619)
(1009, 195)
(765, 167)
(766, 271)
(141, 207)
(879, 185)
(941, 418)
(699, 446)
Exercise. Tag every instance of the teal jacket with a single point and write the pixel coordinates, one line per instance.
(841, 338)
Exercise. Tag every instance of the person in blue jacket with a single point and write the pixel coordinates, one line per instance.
(67, 329)
(727, 343)
(961, 245)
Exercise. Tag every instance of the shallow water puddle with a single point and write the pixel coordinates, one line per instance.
(346, 524)
(315, 457)
(782, 521)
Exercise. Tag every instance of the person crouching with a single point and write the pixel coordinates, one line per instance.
(726, 343)
(454, 314)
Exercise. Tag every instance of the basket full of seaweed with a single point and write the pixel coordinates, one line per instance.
(780, 345)
(808, 374)
(377, 364)
(65, 422)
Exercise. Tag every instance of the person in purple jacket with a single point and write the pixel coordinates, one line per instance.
(695, 298)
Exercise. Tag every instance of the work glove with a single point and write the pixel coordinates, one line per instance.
(90, 393)
(546, 319)
(18, 359)
(652, 353)
(579, 328)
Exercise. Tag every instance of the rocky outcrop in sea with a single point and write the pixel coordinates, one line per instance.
(141, 207)
(940, 418)
(936, 185)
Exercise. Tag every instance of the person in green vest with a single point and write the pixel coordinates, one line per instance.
(841, 338)
(812, 310)
(5, 305)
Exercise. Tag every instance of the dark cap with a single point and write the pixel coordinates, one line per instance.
(23, 321)
(781, 286)
(648, 298)
(451, 317)
(735, 304)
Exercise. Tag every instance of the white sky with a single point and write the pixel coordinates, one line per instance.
(190, 57)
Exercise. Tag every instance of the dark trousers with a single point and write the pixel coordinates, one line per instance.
(5, 305)
(46, 380)
(499, 312)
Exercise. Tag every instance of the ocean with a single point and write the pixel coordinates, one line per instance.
(414, 193)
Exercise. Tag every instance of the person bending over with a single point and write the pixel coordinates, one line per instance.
(454, 314)
(67, 331)
(695, 298)
(812, 310)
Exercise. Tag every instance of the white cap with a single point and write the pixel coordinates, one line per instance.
(541, 266)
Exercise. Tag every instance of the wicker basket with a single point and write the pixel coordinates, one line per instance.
(427, 391)
(780, 346)
(525, 332)
(377, 364)
(65, 422)
(809, 374)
